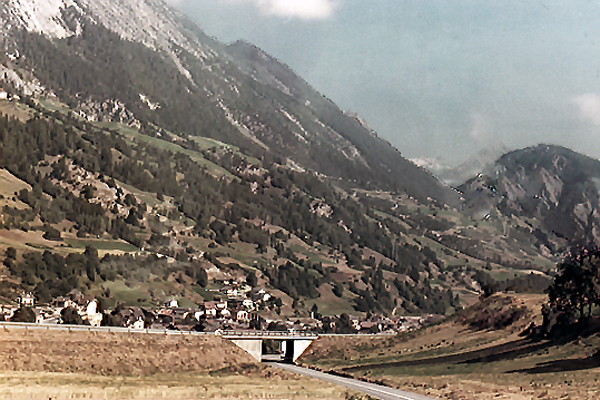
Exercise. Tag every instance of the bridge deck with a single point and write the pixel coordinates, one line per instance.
(269, 335)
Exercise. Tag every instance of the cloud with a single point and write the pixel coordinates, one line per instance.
(478, 130)
(302, 9)
(589, 106)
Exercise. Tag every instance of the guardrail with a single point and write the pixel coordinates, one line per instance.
(223, 333)
(268, 334)
(106, 329)
(380, 334)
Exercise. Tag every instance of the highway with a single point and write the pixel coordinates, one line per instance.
(377, 391)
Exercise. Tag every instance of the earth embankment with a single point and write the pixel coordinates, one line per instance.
(116, 353)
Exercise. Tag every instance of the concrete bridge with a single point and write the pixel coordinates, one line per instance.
(292, 344)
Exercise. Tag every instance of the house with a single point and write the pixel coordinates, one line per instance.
(248, 304)
(39, 317)
(222, 305)
(139, 324)
(26, 299)
(92, 315)
(355, 323)
(3, 95)
(370, 326)
(242, 316)
(259, 295)
(60, 302)
(7, 311)
(230, 291)
(210, 308)
(172, 304)
(131, 316)
(92, 307)
(180, 313)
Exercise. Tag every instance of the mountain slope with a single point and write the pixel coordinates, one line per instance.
(146, 65)
(185, 160)
(552, 185)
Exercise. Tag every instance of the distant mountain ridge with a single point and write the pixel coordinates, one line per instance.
(551, 184)
(455, 176)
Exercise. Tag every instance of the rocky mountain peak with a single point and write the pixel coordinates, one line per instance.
(551, 184)
(46, 17)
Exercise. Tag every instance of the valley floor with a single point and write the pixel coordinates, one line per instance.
(454, 361)
(270, 384)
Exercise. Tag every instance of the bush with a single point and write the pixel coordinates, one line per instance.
(23, 314)
(51, 234)
(70, 316)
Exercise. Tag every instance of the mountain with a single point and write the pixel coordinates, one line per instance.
(182, 160)
(455, 176)
(143, 160)
(555, 187)
(140, 61)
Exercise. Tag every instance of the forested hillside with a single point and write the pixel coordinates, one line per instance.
(139, 166)
(98, 186)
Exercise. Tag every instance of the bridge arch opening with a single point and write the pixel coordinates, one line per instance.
(271, 346)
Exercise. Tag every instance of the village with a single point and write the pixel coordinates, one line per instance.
(239, 308)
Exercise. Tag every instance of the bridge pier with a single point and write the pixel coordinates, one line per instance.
(293, 349)
(298, 347)
(252, 346)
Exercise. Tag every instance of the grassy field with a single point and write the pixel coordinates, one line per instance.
(252, 384)
(16, 110)
(454, 360)
(9, 185)
(163, 144)
(58, 365)
(102, 244)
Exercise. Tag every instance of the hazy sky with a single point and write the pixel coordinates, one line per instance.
(438, 78)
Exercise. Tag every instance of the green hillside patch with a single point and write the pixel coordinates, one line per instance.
(16, 110)
(207, 143)
(146, 197)
(52, 105)
(9, 185)
(329, 304)
(106, 245)
(128, 295)
(198, 158)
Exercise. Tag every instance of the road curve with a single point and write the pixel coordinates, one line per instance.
(377, 391)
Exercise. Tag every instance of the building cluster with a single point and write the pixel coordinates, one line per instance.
(4, 95)
(86, 307)
(238, 308)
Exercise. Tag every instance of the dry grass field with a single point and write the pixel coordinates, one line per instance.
(454, 360)
(62, 386)
(36, 364)
(15, 110)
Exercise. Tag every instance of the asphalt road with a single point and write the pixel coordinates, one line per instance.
(377, 391)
